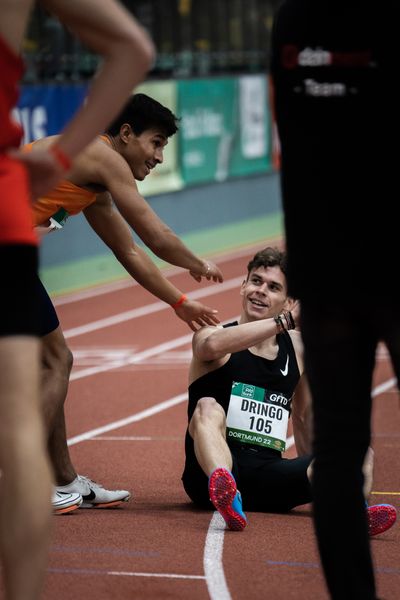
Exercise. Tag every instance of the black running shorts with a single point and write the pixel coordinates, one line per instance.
(266, 481)
(19, 308)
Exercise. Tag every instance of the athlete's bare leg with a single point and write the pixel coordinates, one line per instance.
(207, 428)
(25, 485)
(57, 365)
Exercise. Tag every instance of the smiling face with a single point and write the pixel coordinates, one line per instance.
(264, 294)
(142, 152)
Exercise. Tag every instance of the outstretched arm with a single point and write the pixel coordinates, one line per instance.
(117, 178)
(113, 230)
(111, 31)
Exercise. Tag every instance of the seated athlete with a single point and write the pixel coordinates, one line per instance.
(101, 183)
(246, 380)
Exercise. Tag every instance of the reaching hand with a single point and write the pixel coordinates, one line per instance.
(43, 170)
(193, 312)
(209, 271)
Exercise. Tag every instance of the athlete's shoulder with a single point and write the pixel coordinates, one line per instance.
(100, 150)
(98, 157)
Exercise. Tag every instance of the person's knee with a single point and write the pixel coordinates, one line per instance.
(208, 413)
(56, 356)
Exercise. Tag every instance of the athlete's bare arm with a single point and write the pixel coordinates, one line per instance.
(216, 343)
(111, 31)
(108, 168)
(14, 17)
(110, 226)
(212, 346)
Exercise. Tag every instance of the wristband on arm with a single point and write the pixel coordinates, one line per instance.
(180, 301)
(284, 321)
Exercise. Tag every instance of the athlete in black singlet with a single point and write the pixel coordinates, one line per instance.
(267, 481)
(246, 380)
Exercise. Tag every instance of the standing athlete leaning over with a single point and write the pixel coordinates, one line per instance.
(102, 184)
(107, 28)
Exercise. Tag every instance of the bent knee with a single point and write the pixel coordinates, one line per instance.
(207, 413)
(56, 355)
(208, 407)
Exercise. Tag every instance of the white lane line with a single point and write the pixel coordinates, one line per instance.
(383, 387)
(137, 438)
(143, 414)
(150, 308)
(212, 560)
(131, 360)
(125, 438)
(115, 286)
(213, 549)
(140, 356)
(167, 575)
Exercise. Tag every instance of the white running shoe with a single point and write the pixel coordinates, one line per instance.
(93, 494)
(64, 503)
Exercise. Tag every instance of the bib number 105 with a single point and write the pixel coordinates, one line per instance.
(261, 425)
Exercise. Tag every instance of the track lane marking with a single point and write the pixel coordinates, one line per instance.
(148, 412)
(149, 309)
(213, 550)
(123, 573)
(140, 356)
(126, 282)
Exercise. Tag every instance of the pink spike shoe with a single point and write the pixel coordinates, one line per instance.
(381, 517)
(227, 499)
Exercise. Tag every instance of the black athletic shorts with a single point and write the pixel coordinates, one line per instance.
(48, 320)
(25, 306)
(19, 303)
(266, 481)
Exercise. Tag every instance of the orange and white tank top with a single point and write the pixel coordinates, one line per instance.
(65, 200)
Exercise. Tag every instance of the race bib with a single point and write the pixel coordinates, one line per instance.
(57, 221)
(257, 416)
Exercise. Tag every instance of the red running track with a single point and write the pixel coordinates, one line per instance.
(126, 418)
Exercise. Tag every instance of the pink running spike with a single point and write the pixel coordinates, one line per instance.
(226, 499)
(381, 517)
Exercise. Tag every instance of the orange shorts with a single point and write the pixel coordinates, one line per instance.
(16, 220)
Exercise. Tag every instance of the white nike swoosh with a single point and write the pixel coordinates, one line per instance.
(286, 369)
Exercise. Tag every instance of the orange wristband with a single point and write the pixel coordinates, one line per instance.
(179, 302)
(63, 160)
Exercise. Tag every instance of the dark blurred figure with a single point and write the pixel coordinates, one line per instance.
(334, 67)
(26, 477)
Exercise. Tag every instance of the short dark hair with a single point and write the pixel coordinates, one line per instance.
(142, 112)
(269, 257)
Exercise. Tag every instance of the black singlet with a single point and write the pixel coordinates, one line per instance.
(249, 368)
